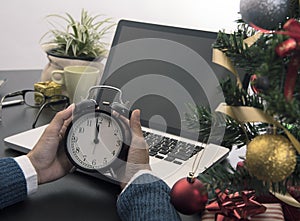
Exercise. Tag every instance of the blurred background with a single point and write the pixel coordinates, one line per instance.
(23, 23)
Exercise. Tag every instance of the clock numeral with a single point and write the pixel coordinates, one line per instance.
(89, 123)
(77, 150)
(114, 152)
(105, 161)
(118, 143)
(116, 132)
(109, 123)
(84, 158)
(99, 121)
(81, 130)
(94, 162)
(74, 138)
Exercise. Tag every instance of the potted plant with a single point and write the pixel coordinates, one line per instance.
(75, 42)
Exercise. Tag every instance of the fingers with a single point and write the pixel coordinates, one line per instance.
(134, 123)
(64, 115)
(138, 155)
(61, 120)
(65, 126)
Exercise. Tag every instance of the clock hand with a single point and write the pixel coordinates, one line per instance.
(96, 139)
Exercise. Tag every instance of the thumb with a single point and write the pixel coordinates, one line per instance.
(135, 123)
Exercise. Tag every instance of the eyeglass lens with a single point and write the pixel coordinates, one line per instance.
(37, 99)
(34, 99)
(29, 97)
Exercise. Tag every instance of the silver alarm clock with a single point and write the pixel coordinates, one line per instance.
(98, 139)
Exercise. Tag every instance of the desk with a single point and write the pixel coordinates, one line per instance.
(75, 197)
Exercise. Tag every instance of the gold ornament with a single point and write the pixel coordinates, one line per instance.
(270, 157)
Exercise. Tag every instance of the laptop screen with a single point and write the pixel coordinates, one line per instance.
(163, 70)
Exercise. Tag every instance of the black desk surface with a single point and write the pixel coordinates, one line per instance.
(77, 196)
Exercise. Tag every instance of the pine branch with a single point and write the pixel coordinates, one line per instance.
(235, 96)
(232, 45)
(234, 132)
(224, 177)
(261, 60)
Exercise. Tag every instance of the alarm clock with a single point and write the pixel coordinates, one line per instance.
(98, 139)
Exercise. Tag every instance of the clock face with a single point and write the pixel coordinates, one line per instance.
(94, 140)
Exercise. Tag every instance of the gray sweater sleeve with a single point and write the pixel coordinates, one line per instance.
(12, 183)
(146, 198)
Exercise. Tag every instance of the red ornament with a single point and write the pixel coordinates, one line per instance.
(253, 78)
(259, 84)
(294, 190)
(189, 196)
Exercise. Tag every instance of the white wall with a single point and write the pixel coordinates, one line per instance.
(22, 23)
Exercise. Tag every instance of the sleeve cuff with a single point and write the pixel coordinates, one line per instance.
(136, 175)
(29, 173)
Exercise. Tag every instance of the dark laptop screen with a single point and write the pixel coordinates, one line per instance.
(161, 69)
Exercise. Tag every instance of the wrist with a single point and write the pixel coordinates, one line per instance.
(29, 172)
(131, 171)
(124, 185)
(34, 165)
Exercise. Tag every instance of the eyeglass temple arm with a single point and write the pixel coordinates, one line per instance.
(14, 94)
(6, 96)
(67, 101)
(38, 114)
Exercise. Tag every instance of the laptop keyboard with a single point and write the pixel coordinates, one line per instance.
(170, 149)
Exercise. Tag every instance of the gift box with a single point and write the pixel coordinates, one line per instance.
(48, 88)
(291, 213)
(273, 213)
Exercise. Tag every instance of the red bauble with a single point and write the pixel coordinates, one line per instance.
(189, 196)
(294, 191)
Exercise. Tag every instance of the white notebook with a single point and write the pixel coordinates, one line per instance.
(168, 171)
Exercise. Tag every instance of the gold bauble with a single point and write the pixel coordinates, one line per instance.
(270, 157)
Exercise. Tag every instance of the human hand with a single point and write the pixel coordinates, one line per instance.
(48, 156)
(138, 154)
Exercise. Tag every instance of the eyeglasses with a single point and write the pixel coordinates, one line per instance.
(56, 103)
(37, 100)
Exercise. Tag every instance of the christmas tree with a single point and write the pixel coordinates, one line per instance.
(262, 111)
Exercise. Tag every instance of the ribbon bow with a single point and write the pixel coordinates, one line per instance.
(235, 207)
(290, 47)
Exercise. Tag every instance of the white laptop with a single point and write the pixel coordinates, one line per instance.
(170, 172)
(160, 70)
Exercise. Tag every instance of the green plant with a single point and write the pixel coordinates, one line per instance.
(81, 38)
